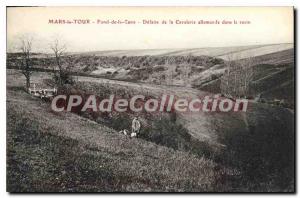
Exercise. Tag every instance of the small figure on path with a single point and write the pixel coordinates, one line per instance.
(136, 126)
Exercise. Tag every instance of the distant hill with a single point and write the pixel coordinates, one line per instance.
(274, 77)
(222, 52)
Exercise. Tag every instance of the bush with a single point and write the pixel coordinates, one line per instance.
(167, 133)
(63, 78)
(120, 122)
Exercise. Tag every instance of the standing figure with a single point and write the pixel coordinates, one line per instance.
(136, 126)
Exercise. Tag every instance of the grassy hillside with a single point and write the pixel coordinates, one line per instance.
(65, 152)
(273, 77)
(71, 149)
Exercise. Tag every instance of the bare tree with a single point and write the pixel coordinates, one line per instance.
(237, 77)
(227, 81)
(247, 75)
(25, 47)
(186, 70)
(170, 72)
(59, 49)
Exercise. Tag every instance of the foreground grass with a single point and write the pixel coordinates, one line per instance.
(58, 152)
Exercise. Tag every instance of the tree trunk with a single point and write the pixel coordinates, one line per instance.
(27, 83)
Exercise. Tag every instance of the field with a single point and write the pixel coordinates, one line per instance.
(237, 52)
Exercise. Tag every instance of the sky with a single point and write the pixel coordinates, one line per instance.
(268, 25)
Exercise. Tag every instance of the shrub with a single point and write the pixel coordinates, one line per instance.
(120, 122)
(165, 132)
(63, 78)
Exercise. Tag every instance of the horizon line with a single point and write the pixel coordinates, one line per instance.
(111, 50)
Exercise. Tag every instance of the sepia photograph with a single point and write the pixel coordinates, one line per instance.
(150, 99)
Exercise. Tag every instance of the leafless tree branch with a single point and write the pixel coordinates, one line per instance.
(25, 65)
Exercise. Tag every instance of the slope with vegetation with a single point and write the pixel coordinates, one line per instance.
(82, 151)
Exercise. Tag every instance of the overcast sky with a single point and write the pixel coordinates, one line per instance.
(268, 25)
